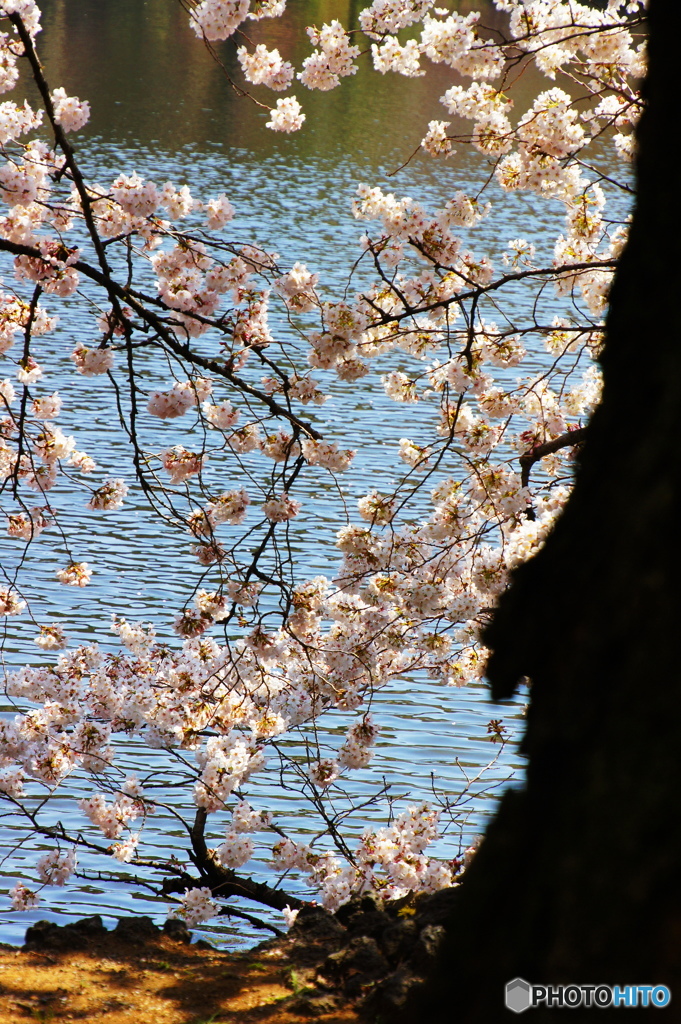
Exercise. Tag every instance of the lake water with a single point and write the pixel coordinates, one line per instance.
(162, 107)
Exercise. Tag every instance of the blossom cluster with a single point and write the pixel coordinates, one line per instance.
(390, 862)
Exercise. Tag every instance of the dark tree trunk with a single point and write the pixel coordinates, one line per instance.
(578, 879)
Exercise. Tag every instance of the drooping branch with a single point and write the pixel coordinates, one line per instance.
(221, 368)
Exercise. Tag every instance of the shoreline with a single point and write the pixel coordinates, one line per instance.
(337, 969)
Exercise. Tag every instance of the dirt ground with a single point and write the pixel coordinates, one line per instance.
(160, 981)
(358, 965)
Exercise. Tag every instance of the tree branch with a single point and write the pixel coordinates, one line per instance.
(527, 461)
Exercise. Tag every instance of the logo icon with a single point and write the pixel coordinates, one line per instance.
(518, 995)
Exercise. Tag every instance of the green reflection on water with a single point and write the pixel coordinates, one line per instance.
(148, 77)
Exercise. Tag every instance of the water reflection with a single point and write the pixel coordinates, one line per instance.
(148, 77)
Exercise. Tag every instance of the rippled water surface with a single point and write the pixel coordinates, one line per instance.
(162, 107)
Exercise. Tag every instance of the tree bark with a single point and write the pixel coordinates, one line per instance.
(578, 878)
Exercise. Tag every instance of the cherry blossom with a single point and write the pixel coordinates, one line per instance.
(265, 67)
(253, 347)
(92, 361)
(109, 496)
(77, 574)
(287, 116)
(69, 111)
